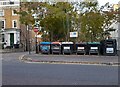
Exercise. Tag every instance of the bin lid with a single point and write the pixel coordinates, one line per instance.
(56, 43)
(113, 40)
(81, 42)
(93, 42)
(67, 42)
(108, 40)
(45, 43)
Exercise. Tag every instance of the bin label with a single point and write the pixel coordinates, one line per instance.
(56, 48)
(94, 48)
(109, 50)
(45, 47)
(66, 47)
(80, 48)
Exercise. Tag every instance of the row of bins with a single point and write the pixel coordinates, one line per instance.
(104, 47)
(56, 47)
(88, 48)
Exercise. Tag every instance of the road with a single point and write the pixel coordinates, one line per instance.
(15, 72)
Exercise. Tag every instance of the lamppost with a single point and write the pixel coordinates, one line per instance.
(68, 26)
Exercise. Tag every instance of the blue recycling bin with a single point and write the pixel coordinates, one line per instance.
(81, 48)
(45, 47)
(109, 47)
(93, 48)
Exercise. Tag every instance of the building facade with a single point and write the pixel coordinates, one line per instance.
(116, 26)
(9, 23)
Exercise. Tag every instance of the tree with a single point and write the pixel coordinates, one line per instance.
(109, 18)
(26, 19)
(91, 21)
(54, 19)
(56, 22)
(91, 25)
(94, 21)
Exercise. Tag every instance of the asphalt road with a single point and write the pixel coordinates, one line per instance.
(15, 72)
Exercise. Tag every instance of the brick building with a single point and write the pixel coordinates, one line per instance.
(10, 26)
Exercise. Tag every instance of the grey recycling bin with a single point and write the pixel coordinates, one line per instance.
(81, 48)
(93, 48)
(67, 47)
(109, 47)
(56, 47)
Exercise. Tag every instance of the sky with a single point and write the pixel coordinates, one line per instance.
(101, 2)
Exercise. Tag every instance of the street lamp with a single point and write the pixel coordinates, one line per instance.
(68, 26)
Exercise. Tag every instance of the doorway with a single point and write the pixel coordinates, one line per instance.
(11, 39)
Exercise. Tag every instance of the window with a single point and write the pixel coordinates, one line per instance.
(2, 24)
(13, 12)
(1, 12)
(11, 2)
(14, 23)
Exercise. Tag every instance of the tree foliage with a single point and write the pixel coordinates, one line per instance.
(58, 19)
(94, 21)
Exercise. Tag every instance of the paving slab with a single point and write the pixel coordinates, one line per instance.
(72, 58)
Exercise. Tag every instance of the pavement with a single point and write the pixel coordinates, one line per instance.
(2, 51)
(70, 59)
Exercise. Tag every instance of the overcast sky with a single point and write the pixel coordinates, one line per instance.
(101, 2)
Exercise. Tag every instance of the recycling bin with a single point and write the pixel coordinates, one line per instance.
(56, 47)
(45, 47)
(93, 48)
(109, 47)
(81, 48)
(67, 47)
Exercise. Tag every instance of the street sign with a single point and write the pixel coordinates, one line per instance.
(36, 30)
(73, 34)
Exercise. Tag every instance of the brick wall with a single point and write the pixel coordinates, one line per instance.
(9, 17)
